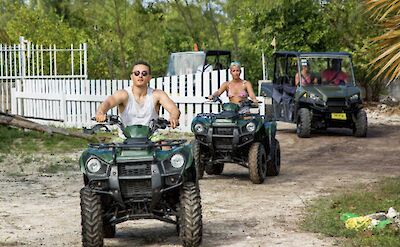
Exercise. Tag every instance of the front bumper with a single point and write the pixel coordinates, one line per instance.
(328, 111)
(134, 181)
(225, 137)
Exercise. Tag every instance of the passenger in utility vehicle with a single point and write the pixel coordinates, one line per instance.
(305, 76)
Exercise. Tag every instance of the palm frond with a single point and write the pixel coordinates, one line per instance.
(386, 46)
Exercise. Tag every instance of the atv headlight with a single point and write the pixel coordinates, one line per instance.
(177, 160)
(354, 97)
(93, 165)
(198, 128)
(314, 96)
(251, 127)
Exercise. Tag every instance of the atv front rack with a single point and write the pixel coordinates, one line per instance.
(239, 115)
(138, 145)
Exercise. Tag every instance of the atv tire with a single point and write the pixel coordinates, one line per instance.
(91, 218)
(190, 217)
(257, 163)
(360, 124)
(303, 129)
(197, 159)
(215, 169)
(274, 164)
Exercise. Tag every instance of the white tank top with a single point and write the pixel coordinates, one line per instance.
(135, 113)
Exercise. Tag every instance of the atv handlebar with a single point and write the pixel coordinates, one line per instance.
(215, 99)
(244, 103)
(159, 123)
(110, 120)
(248, 103)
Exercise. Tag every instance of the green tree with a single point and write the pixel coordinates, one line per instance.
(295, 24)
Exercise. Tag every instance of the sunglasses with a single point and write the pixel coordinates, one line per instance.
(137, 73)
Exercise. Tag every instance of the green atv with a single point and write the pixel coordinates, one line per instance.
(325, 96)
(139, 179)
(236, 136)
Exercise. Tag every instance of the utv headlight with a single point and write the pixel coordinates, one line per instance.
(250, 127)
(198, 128)
(177, 160)
(93, 165)
(354, 97)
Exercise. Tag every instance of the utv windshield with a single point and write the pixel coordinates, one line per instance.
(332, 70)
(183, 63)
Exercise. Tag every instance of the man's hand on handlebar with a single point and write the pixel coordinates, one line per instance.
(101, 117)
(174, 122)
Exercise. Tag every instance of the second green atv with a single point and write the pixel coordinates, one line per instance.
(235, 136)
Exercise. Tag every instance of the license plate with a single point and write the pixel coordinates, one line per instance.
(338, 116)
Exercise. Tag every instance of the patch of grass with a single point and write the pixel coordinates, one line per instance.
(27, 160)
(323, 214)
(2, 157)
(18, 140)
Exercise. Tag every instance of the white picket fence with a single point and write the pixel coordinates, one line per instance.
(27, 61)
(73, 102)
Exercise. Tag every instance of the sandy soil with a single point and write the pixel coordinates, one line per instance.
(43, 209)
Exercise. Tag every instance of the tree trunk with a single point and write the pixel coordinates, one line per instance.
(23, 123)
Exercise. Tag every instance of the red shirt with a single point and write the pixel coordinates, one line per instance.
(334, 76)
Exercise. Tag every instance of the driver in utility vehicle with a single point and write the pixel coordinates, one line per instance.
(334, 75)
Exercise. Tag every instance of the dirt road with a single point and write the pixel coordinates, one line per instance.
(43, 209)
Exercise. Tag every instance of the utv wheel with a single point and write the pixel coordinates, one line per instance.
(215, 169)
(274, 165)
(91, 219)
(197, 159)
(360, 124)
(257, 163)
(304, 123)
(190, 219)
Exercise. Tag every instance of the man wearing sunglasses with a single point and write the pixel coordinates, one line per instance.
(139, 104)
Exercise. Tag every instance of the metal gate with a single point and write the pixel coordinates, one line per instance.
(27, 61)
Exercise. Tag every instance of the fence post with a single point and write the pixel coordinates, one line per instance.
(63, 107)
(85, 60)
(13, 101)
(22, 48)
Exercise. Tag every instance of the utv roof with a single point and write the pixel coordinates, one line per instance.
(312, 54)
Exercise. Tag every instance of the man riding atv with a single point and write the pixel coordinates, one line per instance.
(138, 178)
(139, 104)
